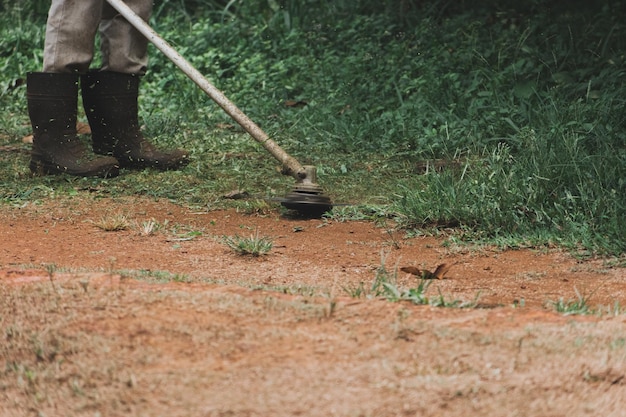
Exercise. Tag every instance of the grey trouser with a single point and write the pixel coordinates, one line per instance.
(71, 32)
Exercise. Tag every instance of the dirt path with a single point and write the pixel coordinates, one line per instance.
(199, 330)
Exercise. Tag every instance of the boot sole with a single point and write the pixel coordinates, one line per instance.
(46, 168)
(125, 162)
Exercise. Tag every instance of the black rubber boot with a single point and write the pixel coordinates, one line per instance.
(110, 101)
(52, 100)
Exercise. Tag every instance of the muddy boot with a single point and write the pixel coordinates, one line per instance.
(110, 101)
(52, 100)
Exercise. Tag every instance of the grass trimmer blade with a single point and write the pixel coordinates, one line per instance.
(307, 197)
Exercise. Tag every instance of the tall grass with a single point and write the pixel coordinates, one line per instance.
(556, 192)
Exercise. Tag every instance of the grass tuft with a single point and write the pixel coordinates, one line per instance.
(113, 223)
(253, 245)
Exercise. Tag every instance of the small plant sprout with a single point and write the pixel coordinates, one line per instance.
(51, 270)
(113, 223)
(580, 306)
(148, 227)
(254, 245)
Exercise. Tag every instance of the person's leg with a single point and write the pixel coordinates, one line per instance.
(123, 48)
(110, 101)
(52, 100)
(70, 32)
(110, 95)
(53, 94)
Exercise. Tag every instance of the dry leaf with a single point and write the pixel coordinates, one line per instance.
(293, 103)
(225, 126)
(236, 195)
(442, 270)
(439, 272)
(83, 128)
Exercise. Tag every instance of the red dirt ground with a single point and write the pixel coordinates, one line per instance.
(321, 254)
(285, 334)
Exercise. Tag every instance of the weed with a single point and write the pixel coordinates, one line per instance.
(357, 291)
(579, 306)
(330, 310)
(149, 227)
(391, 233)
(254, 245)
(51, 269)
(571, 307)
(254, 207)
(614, 310)
(113, 223)
(156, 276)
(385, 285)
(184, 236)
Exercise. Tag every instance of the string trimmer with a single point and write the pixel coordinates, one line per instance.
(306, 196)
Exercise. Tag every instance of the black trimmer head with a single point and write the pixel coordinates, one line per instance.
(307, 197)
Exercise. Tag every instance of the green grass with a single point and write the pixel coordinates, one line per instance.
(581, 306)
(527, 101)
(253, 245)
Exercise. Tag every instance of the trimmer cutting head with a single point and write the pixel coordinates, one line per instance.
(307, 204)
(307, 197)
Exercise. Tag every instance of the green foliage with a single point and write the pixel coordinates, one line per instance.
(527, 99)
(385, 285)
(554, 186)
(253, 245)
(572, 307)
(581, 306)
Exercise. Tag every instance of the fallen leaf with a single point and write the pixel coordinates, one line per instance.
(236, 195)
(83, 128)
(439, 272)
(442, 270)
(225, 126)
(294, 103)
(412, 270)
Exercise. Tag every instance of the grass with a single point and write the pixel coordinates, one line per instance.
(581, 306)
(385, 285)
(157, 277)
(113, 223)
(253, 245)
(149, 227)
(528, 103)
(570, 307)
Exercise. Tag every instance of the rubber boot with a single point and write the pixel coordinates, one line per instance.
(52, 105)
(110, 101)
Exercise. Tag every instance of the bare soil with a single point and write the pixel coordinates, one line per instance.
(171, 322)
